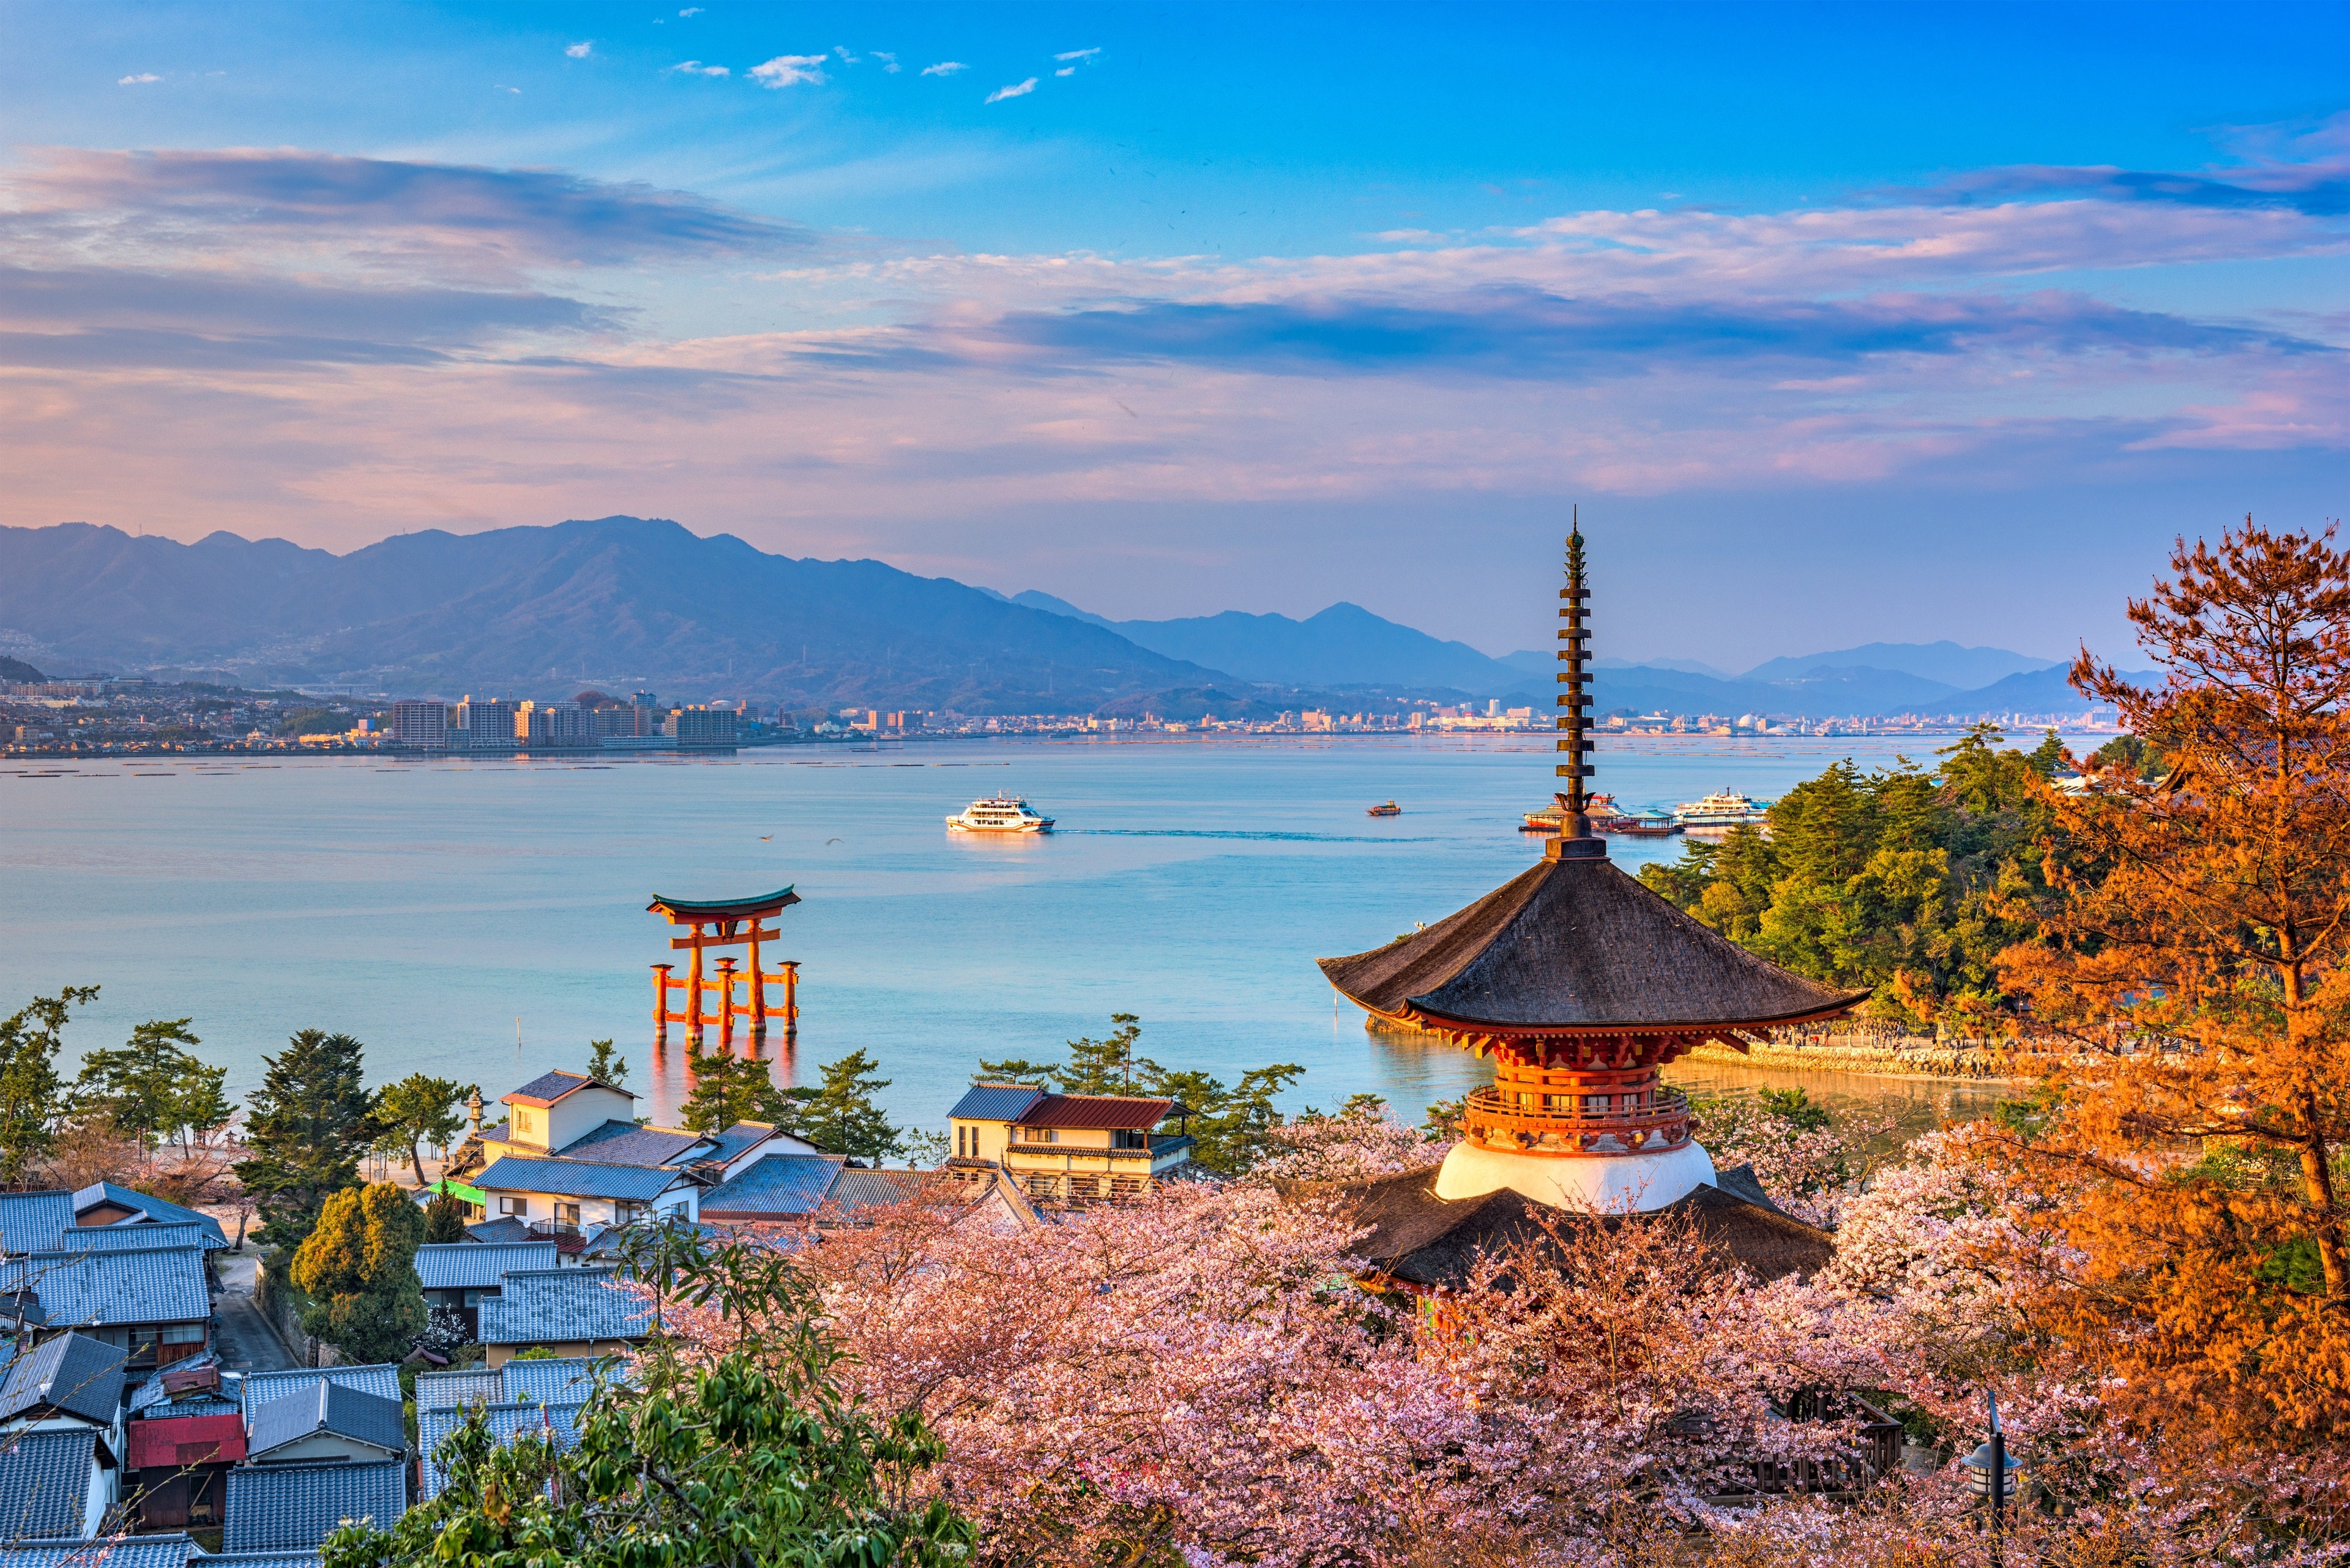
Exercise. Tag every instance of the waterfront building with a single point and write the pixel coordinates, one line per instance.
(1076, 1148)
(485, 723)
(1580, 984)
(542, 724)
(706, 726)
(424, 725)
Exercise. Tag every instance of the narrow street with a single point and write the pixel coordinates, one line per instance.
(246, 1342)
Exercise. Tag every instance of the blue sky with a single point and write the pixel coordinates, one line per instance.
(1840, 323)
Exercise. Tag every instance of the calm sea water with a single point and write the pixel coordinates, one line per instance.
(434, 910)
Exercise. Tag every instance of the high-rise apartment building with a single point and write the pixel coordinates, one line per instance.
(699, 726)
(420, 724)
(554, 724)
(487, 723)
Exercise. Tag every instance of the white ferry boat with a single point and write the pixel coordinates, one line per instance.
(999, 814)
(1722, 809)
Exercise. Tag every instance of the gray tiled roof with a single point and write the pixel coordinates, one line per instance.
(995, 1103)
(856, 1190)
(567, 1380)
(562, 1306)
(553, 1086)
(329, 1408)
(577, 1178)
(45, 1482)
(280, 1508)
(142, 1236)
(252, 1560)
(626, 1143)
(506, 1423)
(262, 1388)
(162, 1210)
(735, 1142)
(473, 1265)
(32, 1222)
(82, 1290)
(774, 1187)
(72, 1373)
(447, 1390)
(109, 1551)
(505, 1228)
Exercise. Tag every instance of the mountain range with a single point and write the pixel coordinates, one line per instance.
(626, 603)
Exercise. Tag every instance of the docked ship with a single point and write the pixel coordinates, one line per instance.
(999, 814)
(1600, 809)
(1723, 809)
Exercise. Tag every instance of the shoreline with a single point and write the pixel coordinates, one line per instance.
(1935, 1064)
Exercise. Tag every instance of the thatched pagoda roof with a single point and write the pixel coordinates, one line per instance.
(1575, 945)
(1422, 1239)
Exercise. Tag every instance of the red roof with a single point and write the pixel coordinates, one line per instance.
(166, 1443)
(1095, 1111)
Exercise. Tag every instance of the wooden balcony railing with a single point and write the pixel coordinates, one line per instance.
(1658, 1124)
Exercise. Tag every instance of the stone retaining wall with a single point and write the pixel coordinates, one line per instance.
(1854, 1053)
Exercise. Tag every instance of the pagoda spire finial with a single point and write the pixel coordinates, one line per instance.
(1574, 841)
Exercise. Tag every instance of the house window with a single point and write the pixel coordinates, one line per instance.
(518, 1207)
(1040, 1135)
(1595, 1104)
(566, 1214)
(624, 1213)
(1130, 1137)
(184, 1333)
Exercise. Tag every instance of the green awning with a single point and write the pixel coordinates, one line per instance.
(472, 1195)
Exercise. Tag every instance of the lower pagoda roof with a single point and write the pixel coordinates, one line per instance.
(1574, 946)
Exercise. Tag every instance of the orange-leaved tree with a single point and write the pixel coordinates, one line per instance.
(2195, 946)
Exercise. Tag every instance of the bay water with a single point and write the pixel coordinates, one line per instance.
(484, 920)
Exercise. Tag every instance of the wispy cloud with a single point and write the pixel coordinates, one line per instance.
(581, 51)
(1078, 55)
(142, 79)
(888, 61)
(791, 70)
(691, 11)
(944, 68)
(1017, 89)
(696, 68)
(846, 58)
(1067, 71)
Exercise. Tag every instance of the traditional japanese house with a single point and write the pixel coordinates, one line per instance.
(1069, 1147)
(152, 1302)
(576, 1312)
(178, 1469)
(294, 1508)
(104, 1203)
(1579, 985)
(459, 1276)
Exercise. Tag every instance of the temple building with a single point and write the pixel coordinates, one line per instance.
(1580, 984)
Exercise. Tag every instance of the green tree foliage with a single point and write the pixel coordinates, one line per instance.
(729, 1089)
(1229, 1124)
(444, 1219)
(758, 1458)
(607, 1066)
(358, 1267)
(29, 1078)
(310, 1121)
(417, 1110)
(153, 1088)
(841, 1115)
(1888, 881)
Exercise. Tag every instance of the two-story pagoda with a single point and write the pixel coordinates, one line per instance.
(1580, 983)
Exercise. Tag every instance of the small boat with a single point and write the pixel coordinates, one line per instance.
(1390, 809)
(1724, 808)
(999, 814)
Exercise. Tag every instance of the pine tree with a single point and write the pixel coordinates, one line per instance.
(729, 1089)
(417, 1110)
(28, 1078)
(152, 1090)
(840, 1117)
(358, 1267)
(444, 1219)
(1106, 1066)
(310, 1121)
(605, 1066)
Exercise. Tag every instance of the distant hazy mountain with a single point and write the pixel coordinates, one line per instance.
(1947, 663)
(1345, 645)
(1539, 662)
(1822, 693)
(620, 602)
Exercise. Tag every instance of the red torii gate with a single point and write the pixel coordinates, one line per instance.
(724, 923)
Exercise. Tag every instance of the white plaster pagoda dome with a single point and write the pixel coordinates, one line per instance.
(1604, 1184)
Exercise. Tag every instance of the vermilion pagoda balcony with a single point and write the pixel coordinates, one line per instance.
(1649, 1120)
